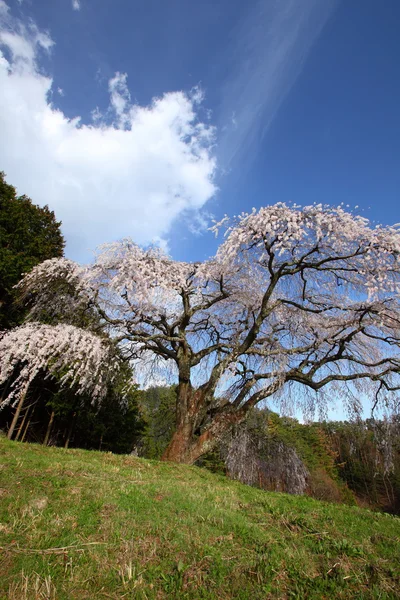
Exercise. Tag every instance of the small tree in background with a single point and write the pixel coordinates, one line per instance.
(28, 236)
(294, 297)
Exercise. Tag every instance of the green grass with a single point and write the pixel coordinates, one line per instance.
(92, 525)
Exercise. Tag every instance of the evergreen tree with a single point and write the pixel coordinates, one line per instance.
(29, 235)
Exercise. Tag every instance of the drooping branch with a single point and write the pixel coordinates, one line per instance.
(76, 357)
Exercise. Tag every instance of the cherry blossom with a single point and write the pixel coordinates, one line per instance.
(77, 357)
(295, 297)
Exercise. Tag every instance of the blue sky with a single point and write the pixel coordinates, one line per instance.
(258, 102)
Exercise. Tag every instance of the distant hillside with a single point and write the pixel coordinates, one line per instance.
(91, 525)
(349, 462)
(345, 462)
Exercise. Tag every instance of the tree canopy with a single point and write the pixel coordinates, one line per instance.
(29, 235)
(294, 296)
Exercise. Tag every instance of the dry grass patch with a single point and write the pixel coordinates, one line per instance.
(32, 587)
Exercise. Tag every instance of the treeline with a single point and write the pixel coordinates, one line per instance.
(60, 417)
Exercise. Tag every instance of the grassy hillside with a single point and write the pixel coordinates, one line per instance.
(80, 524)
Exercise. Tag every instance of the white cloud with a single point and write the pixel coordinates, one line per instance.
(76, 5)
(131, 173)
(269, 50)
(23, 41)
(120, 98)
(200, 222)
(3, 8)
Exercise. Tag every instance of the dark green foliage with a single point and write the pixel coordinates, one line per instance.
(158, 409)
(28, 235)
(59, 416)
(115, 426)
(212, 461)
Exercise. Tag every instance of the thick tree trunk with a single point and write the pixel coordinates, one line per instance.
(188, 450)
(200, 422)
(16, 416)
(189, 401)
(186, 446)
(180, 447)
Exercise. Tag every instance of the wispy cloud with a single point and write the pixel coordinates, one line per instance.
(265, 58)
(76, 5)
(130, 172)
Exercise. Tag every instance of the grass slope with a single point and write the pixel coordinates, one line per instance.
(80, 524)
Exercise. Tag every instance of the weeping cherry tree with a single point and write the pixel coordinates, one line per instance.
(294, 299)
(74, 356)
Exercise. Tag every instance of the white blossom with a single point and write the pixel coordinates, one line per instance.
(76, 357)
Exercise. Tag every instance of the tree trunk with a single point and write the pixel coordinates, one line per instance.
(70, 430)
(186, 446)
(20, 428)
(28, 423)
(16, 415)
(26, 428)
(49, 426)
(181, 446)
